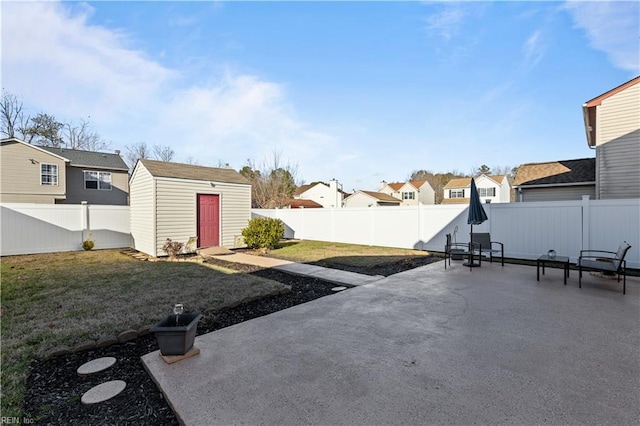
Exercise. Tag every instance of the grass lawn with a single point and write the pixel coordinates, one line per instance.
(62, 299)
(307, 251)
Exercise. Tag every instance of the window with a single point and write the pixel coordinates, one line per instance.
(48, 174)
(487, 192)
(97, 180)
(408, 195)
(456, 193)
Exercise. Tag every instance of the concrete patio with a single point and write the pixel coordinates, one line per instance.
(426, 346)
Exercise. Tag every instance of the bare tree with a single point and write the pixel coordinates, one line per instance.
(11, 110)
(192, 161)
(136, 152)
(272, 183)
(82, 136)
(163, 153)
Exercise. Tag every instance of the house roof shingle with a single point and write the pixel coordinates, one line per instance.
(396, 186)
(79, 158)
(297, 203)
(466, 181)
(557, 173)
(189, 171)
(381, 196)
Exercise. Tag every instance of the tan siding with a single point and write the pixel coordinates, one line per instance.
(177, 216)
(20, 177)
(360, 200)
(142, 211)
(618, 149)
(618, 167)
(618, 115)
(76, 193)
(557, 194)
(236, 213)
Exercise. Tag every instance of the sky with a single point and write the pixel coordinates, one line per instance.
(359, 91)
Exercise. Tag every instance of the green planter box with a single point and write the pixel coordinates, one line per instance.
(176, 339)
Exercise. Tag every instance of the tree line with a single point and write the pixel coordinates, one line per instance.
(44, 129)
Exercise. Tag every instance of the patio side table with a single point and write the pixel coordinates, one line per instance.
(557, 260)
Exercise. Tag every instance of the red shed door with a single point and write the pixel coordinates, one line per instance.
(208, 220)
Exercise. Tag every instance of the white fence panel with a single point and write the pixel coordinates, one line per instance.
(46, 228)
(354, 226)
(612, 222)
(393, 227)
(531, 229)
(526, 229)
(109, 226)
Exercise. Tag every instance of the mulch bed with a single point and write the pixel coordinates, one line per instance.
(54, 388)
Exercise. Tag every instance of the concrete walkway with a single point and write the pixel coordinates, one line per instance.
(327, 274)
(426, 346)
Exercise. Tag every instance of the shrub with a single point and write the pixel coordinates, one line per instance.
(88, 244)
(263, 232)
(172, 248)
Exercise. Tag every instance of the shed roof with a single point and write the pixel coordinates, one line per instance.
(558, 173)
(189, 171)
(79, 158)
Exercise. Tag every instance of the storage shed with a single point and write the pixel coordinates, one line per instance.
(184, 202)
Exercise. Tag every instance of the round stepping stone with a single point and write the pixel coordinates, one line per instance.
(96, 365)
(103, 392)
(338, 288)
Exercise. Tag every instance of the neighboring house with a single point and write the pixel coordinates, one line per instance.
(185, 202)
(35, 174)
(612, 126)
(370, 199)
(321, 194)
(556, 180)
(492, 189)
(410, 193)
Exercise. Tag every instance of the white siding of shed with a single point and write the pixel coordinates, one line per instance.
(618, 145)
(176, 210)
(142, 211)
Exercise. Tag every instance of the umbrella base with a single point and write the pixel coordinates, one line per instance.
(471, 264)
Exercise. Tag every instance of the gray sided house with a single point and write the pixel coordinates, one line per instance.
(185, 202)
(35, 174)
(612, 126)
(556, 180)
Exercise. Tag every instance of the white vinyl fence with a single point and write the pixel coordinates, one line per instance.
(526, 229)
(45, 228)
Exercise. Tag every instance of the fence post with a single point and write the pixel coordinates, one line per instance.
(86, 221)
(586, 209)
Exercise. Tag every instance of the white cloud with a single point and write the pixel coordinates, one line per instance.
(534, 49)
(71, 69)
(612, 27)
(447, 22)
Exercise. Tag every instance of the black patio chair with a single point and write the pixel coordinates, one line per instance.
(463, 249)
(605, 261)
(483, 241)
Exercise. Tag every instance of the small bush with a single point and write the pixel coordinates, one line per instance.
(172, 248)
(88, 244)
(263, 232)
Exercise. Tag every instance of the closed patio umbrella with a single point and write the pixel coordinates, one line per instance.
(477, 215)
